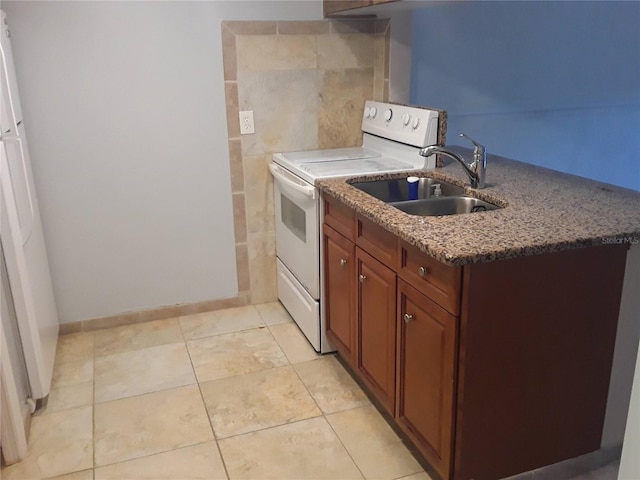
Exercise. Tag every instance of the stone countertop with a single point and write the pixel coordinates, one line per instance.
(544, 211)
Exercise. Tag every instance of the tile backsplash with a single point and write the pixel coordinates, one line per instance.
(306, 83)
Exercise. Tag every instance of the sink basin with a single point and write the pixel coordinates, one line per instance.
(444, 206)
(397, 190)
(452, 200)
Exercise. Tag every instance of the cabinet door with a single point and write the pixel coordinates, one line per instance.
(426, 375)
(339, 269)
(375, 312)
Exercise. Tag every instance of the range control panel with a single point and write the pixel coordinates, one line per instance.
(411, 125)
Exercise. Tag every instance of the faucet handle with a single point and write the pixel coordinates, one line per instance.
(479, 164)
(478, 148)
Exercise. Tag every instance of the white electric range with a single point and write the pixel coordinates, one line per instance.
(392, 137)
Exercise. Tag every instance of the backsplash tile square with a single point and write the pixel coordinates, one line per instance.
(265, 53)
(343, 95)
(345, 51)
(285, 110)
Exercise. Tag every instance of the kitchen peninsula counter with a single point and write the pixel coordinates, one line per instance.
(544, 211)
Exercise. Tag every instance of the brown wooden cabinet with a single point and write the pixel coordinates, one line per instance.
(426, 375)
(490, 369)
(339, 267)
(536, 342)
(376, 326)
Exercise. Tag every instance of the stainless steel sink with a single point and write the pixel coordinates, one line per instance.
(397, 190)
(444, 206)
(451, 201)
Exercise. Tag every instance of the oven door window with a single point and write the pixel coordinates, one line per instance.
(293, 217)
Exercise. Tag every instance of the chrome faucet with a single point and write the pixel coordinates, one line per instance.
(475, 170)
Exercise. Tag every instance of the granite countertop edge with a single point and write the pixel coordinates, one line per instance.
(543, 211)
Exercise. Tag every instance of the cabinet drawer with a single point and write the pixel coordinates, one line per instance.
(340, 217)
(378, 242)
(438, 281)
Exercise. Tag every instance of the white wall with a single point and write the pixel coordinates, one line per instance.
(125, 113)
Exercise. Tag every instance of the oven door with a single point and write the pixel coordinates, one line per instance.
(297, 206)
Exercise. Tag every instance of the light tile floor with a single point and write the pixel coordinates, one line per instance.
(232, 394)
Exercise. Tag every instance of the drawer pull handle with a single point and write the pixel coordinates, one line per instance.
(362, 278)
(343, 262)
(422, 271)
(408, 317)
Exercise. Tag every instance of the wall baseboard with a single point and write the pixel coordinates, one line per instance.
(159, 313)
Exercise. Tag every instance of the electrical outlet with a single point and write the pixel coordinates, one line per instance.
(246, 123)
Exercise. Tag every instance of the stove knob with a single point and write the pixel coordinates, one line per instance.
(415, 123)
(406, 118)
(388, 114)
(373, 111)
(367, 112)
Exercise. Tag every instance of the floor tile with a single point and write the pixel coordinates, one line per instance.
(234, 354)
(142, 371)
(72, 373)
(377, 450)
(220, 321)
(152, 423)
(301, 450)
(331, 386)
(75, 347)
(258, 400)
(417, 476)
(198, 462)
(273, 313)
(293, 343)
(83, 475)
(138, 336)
(608, 472)
(70, 396)
(59, 443)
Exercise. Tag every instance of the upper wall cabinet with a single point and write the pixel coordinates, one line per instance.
(351, 7)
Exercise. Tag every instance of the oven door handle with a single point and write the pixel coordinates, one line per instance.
(287, 180)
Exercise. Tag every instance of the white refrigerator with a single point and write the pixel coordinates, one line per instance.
(22, 237)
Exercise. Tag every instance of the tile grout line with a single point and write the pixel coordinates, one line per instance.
(290, 365)
(262, 429)
(182, 341)
(278, 343)
(204, 404)
(324, 415)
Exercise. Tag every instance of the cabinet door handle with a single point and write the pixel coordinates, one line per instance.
(343, 262)
(408, 317)
(422, 271)
(362, 278)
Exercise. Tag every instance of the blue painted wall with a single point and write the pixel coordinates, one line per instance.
(555, 84)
